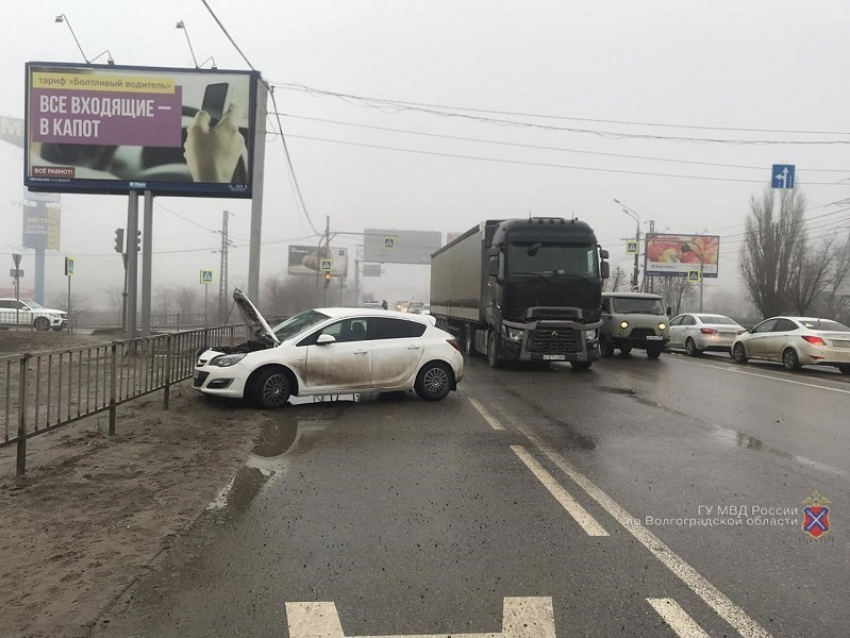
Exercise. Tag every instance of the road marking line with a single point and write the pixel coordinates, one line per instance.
(680, 622)
(574, 509)
(767, 376)
(713, 597)
(494, 423)
(527, 617)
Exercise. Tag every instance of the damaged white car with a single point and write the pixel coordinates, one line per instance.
(332, 351)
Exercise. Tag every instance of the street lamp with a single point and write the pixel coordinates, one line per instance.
(182, 26)
(686, 248)
(63, 18)
(628, 211)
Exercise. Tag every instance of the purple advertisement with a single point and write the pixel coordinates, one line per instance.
(112, 129)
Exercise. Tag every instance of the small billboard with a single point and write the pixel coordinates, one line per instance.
(371, 270)
(112, 129)
(309, 260)
(385, 246)
(676, 255)
(41, 226)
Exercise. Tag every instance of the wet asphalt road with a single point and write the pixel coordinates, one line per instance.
(417, 518)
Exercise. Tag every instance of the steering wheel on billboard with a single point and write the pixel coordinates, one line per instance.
(140, 163)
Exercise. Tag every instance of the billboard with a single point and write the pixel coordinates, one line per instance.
(112, 129)
(41, 226)
(677, 254)
(371, 270)
(450, 237)
(306, 260)
(400, 246)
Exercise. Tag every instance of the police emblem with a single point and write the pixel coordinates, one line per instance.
(816, 515)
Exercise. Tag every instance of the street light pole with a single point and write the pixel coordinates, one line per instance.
(628, 211)
(687, 248)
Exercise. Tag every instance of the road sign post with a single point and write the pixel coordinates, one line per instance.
(17, 273)
(632, 247)
(206, 282)
(69, 272)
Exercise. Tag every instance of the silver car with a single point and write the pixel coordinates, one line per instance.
(696, 333)
(796, 342)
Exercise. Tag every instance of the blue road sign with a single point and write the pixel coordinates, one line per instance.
(783, 176)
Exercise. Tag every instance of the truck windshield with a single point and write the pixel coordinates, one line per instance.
(551, 258)
(638, 306)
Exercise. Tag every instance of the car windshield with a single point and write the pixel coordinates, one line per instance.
(550, 258)
(297, 324)
(718, 320)
(826, 325)
(638, 306)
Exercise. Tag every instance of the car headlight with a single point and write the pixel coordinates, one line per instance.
(592, 333)
(624, 324)
(513, 334)
(662, 326)
(227, 360)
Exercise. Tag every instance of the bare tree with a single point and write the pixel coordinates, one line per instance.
(164, 299)
(771, 243)
(812, 270)
(612, 284)
(676, 292)
(290, 295)
(837, 294)
(186, 298)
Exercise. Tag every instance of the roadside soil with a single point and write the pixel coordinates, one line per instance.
(93, 511)
(16, 341)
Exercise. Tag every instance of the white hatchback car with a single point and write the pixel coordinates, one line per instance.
(696, 333)
(332, 351)
(796, 342)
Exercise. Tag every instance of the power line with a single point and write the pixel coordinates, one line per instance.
(546, 148)
(541, 164)
(396, 106)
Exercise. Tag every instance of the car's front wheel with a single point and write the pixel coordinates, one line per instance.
(790, 360)
(270, 388)
(434, 381)
(653, 352)
(42, 324)
(739, 354)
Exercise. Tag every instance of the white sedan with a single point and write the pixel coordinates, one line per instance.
(332, 351)
(696, 333)
(796, 342)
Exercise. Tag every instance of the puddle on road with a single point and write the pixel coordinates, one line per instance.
(752, 443)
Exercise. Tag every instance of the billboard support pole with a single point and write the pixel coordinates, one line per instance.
(147, 254)
(39, 275)
(257, 194)
(132, 262)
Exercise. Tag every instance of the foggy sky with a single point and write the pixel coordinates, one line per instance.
(778, 65)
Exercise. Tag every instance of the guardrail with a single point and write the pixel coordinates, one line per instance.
(43, 391)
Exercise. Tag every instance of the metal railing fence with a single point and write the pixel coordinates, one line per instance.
(42, 391)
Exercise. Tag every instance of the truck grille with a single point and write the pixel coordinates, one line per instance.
(554, 341)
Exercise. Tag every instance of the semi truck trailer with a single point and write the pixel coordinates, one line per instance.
(526, 290)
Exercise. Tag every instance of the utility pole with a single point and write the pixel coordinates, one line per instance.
(222, 282)
(327, 251)
(628, 211)
(645, 249)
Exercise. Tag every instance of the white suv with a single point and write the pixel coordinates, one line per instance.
(30, 313)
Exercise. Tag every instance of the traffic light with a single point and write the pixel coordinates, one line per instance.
(119, 240)
(138, 241)
(327, 279)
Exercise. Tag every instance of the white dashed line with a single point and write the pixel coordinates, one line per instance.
(746, 626)
(680, 622)
(486, 414)
(574, 509)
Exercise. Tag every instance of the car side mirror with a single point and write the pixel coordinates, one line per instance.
(604, 270)
(324, 340)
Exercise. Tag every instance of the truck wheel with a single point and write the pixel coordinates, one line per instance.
(626, 348)
(42, 324)
(581, 365)
(469, 341)
(493, 350)
(606, 347)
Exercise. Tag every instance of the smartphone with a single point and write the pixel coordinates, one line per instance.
(217, 100)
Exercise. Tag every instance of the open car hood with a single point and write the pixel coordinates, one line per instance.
(253, 319)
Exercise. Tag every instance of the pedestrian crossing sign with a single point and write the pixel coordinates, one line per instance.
(206, 277)
(694, 276)
(326, 265)
(632, 247)
(389, 243)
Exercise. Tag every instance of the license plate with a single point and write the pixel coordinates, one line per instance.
(654, 338)
(554, 357)
(727, 334)
(841, 344)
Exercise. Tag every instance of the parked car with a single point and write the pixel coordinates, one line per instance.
(372, 304)
(633, 320)
(332, 351)
(696, 333)
(796, 342)
(30, 313)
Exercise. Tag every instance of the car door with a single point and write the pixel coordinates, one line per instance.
(756, 344)
(676, 332)
(689, 327)
(397, 349)
(774, 342)
(344, 364)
